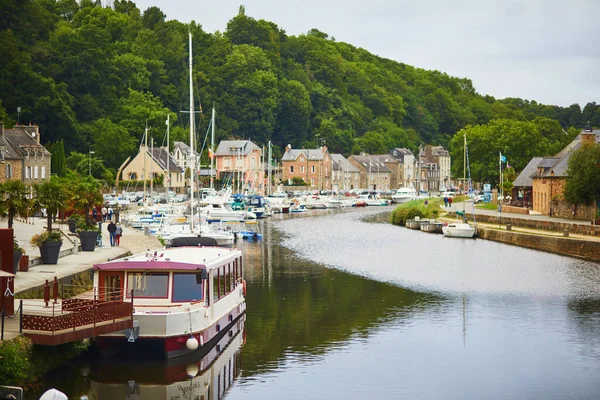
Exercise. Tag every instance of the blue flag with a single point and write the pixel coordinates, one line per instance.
(502, 158)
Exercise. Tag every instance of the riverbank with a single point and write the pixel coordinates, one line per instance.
(564, 237)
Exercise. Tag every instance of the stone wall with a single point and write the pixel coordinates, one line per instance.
(515, 210)
(553, 226)
(585, 249)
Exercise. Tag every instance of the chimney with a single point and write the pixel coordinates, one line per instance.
(588, 138)
(324, 149)
(36, 133)
(288, 148)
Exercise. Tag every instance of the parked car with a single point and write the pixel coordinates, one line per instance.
(478, 198)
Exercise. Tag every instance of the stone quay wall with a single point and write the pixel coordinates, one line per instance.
(585, 249)
(552, 226)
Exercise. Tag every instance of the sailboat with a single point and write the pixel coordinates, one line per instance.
(195, 234)
(461, 229)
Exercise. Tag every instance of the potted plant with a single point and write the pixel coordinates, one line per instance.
(88, 233)
(17, 253)
(49, 243)
(74, 221)
(50, 196)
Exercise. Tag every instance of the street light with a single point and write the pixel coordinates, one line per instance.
(90, 162)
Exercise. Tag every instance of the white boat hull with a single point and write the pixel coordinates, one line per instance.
(459, 230)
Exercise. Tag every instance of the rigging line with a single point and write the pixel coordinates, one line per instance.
(470, 181)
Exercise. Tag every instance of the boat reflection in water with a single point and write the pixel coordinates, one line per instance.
(202, 377)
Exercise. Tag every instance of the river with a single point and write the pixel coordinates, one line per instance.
(344, 305)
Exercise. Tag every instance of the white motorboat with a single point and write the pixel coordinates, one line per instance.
(183, 297)
(371, 200)
(405, 194)
(459, 229)
(218, 207)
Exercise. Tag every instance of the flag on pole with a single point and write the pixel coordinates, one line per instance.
(502, 158)
(211, 154)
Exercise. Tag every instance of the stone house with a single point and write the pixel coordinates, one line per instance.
(406, 158)
(313, 166)
(436, 163)
(239, 162)
(548, 181)
(374, 174)
(522, 191)
(152, 162)
(22, 154)
(344, 175)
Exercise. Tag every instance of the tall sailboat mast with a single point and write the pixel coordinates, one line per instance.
(192, 152)
(168, 180)
(212, 149)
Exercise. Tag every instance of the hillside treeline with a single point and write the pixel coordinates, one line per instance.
(95, 77)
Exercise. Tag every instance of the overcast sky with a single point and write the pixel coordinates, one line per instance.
(542, 50)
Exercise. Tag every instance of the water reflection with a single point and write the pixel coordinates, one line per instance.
(185, 378)
(433, 263)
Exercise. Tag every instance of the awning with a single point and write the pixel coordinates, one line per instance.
(4, 274)
(148, 266)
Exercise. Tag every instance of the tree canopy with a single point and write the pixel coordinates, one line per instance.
(95, 77)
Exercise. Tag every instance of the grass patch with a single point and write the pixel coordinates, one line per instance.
(429, 208)
(487, 206)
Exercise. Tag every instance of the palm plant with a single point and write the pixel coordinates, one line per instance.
(49, 194)
(13, 200)
(84, 193)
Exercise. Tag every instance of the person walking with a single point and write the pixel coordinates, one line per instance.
(110, 213)
(104, 211)
(95, 214)
(112, 228)
(118, 234)
(450, 201)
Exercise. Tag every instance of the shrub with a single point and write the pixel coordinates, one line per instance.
(39, 238)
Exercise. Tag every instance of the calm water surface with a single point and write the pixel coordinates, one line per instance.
(343, 305)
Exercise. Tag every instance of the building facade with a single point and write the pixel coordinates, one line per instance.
(345, 176)
(374, 175)
(239, 163)
(150, 163)
(549, 180)
(406, 158)
(22, 155)
(312, 166)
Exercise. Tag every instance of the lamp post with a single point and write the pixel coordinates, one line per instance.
(90, 162)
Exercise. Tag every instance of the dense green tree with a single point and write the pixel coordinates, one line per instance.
(583, 185)
(14, 200)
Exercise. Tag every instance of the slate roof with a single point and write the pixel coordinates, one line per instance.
(311, 154)
(399, 153)
(557, 166)
(184, 148)
(160, 155)
(22, 139)
(525, 177)
(340, 163)
(373, 161)
(229, 147)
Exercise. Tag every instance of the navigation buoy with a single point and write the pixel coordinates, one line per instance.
(191, 343)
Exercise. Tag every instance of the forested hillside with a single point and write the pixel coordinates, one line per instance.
(95, 76)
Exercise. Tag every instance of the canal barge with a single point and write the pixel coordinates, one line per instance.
(183, 297)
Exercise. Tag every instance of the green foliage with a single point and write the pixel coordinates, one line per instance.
(583, 185)
(58, 162)
(46, 236)
(15, 360)
(51, 196)
(415, 208)
(14, 200)
(95, 76)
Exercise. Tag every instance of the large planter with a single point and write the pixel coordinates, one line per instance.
(24, 263)
(72, 225)
(88, 240)
(16, 258)
(49, 252)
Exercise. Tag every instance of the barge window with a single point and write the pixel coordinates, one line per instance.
(187, 287)
(148, 284)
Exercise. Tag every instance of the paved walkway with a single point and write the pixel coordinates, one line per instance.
(468, 207)
(478, 211)
(132, 241)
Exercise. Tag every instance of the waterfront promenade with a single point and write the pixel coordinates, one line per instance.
(133, 241)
